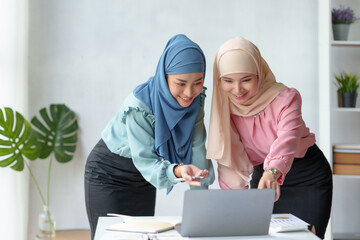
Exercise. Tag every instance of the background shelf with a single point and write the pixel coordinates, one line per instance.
(346, 43)
(347, 109)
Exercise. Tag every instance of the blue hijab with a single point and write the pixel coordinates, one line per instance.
(174, 124)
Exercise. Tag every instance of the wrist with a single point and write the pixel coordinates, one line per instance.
(177, 172)
(276, 173)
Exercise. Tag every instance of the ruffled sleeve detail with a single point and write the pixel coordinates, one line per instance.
(146, 115)
(203, 96)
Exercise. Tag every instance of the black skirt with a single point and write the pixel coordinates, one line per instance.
(114, 185)
(306, 191)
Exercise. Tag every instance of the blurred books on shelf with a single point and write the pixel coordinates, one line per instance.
(346, 159)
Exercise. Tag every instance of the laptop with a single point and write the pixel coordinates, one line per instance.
(213, 213)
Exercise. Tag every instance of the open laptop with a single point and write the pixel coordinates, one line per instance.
(212, 213)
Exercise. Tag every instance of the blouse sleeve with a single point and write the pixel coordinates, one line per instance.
(154, 169)
(290, 127)
(199, 151)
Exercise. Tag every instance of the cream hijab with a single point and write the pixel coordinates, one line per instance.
(237, 55)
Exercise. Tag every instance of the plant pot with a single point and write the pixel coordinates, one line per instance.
(341, 31)
(348, 99)
(46, 225)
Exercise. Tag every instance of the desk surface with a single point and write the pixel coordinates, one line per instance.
(102, 234)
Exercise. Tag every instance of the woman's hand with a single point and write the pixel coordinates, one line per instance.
(269, 180)
(188, 172)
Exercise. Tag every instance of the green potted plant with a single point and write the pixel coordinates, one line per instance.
(347, 86)
(52, 136)
(341, 19)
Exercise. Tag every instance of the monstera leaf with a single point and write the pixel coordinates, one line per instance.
(17, 139)
(57, 132)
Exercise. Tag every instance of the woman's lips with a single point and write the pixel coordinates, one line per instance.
(239, 97)
(186, 99)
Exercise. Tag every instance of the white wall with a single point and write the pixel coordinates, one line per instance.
(91, 54)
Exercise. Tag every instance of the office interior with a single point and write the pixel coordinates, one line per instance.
(91, 54)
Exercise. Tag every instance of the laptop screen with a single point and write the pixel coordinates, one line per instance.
(210, 213)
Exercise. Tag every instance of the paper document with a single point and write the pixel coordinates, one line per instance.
(123, 236)
(287, 223)
(134, 224)
(163, 236)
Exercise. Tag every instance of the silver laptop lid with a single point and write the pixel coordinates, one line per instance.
(210, 213)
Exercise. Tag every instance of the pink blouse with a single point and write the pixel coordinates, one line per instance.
(277, 134)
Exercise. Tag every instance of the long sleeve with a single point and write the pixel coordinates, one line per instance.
(198, 150)
(276, 135)
(131, 134)
(155, 169)
(290, 129)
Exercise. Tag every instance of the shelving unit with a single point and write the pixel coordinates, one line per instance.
(339, 125)
(346, 43)
(347, 109)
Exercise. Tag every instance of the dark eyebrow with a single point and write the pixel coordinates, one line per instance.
(182, 80)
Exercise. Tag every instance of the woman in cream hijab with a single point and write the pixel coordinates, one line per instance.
(256, 129)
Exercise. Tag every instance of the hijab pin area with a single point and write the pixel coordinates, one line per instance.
(258, 114)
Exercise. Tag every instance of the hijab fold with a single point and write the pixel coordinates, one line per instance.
(174, 124)
(237, 55)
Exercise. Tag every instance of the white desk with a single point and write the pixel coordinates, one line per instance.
(105, 221)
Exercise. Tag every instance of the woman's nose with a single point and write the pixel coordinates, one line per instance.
(238, 89)
(188, 91)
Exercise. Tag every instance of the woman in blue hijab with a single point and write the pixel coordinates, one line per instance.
(158, 135)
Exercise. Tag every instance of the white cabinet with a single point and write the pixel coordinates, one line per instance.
(339, 125)
(346, 207)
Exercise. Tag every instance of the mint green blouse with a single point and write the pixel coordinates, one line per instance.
(131, 134)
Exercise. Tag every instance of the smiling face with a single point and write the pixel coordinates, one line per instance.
(240, 87)
(185, 87)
